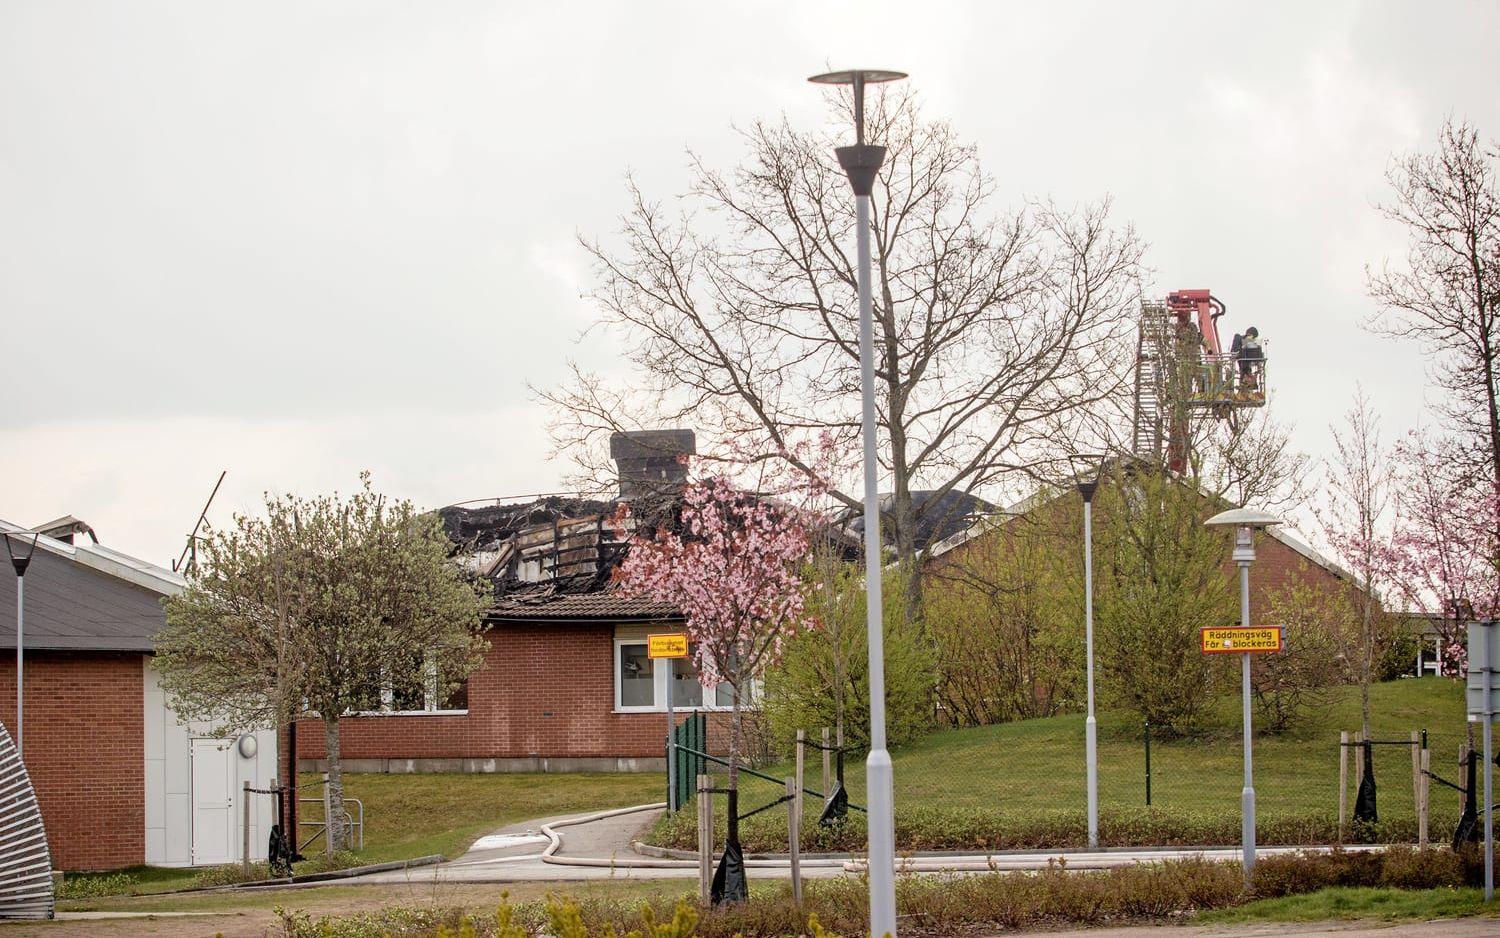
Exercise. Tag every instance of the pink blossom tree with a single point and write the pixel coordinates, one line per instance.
(733, 566)
(1444, 557)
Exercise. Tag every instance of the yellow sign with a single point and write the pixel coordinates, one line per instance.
(1240, 639)
(671, 645)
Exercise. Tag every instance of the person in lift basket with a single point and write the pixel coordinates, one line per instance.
(1248, 352)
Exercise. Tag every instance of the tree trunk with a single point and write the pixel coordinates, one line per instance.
(734, 768)
(338, 833)
(1366, 663)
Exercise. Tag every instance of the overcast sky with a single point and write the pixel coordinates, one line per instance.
(294, 240)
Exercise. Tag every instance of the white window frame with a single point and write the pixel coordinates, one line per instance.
(659, 688)
(430, 696)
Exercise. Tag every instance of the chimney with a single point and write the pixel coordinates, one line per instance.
(651, 460)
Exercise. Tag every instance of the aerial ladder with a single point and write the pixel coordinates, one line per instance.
(1183, 373)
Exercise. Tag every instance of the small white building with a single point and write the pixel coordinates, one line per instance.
(121, 779)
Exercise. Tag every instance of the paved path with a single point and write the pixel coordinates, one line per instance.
(1446, 928)
(598, 846)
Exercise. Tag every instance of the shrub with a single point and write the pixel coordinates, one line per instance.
(938, 828)
(94, 887)
(802, 691)
(941, 904)
(232, 874)
(1405, 868)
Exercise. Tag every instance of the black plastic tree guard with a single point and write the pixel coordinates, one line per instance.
(730, 884)
(836, 807)
(1469, 829)
(1364, 801)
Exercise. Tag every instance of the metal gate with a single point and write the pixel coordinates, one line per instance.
(689, 738)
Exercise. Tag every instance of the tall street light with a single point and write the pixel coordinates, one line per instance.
(20, 563)
(1086, 471)
(861, 163)
(1246, 521)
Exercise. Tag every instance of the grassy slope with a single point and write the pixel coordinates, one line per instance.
(1038, 764)
(414, 815)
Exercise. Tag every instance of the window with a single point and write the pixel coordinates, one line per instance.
(641, 686)
(635, 677)
(417, 692)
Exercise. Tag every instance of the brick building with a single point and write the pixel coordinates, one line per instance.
(120, 779)
(566, 684)
(1281, 559)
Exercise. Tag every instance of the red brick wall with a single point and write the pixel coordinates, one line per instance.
(85, 750)
(544, 690)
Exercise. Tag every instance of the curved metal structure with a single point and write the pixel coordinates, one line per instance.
(25, 862)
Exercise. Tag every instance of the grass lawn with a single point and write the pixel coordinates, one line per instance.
(410, 816)
(1022, 784)
(1038, 765)
(1385, 905)
(415, 815)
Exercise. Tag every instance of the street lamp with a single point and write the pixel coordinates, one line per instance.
(1246, 521)
(19, 564)
(1086, 471)
(861, 163)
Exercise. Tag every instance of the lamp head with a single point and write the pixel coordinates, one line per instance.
(1087, 469)
(865, 76)
(1243, 518)
(858, 77)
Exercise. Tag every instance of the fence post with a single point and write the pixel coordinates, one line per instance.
(1148, 763)
(327, 818)
(794, 831)
(1343, 780)
(827, 753)
(705, 836)
(245, 828)
(1425, 792)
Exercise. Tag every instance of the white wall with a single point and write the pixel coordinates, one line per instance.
(169, 808)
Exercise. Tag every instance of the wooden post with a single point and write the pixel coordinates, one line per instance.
(327, 818)
(1343, 781)
(245, 828)
(826, 756)
(705, 836)
(1425, 791)
(794, 831)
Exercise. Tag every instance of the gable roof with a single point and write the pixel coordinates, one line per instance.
(84, 597)
(1045, 496)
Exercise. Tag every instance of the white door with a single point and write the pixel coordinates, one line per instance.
(213, 801)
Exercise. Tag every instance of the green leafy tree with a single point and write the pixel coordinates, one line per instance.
(1158, 580)
(1006, 617)
(320, 608)
(1293, 684)
(823, 677)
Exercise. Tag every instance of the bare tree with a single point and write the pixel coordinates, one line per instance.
(996, 333)
(1359, 500)
(1447, 295)
(1248, 458)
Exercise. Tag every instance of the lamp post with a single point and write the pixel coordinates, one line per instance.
(1086, 471)
(20, 564)
(1246, 521)
(861, 163)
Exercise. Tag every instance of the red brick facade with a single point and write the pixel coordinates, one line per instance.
(85, 739)
(545, 691)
